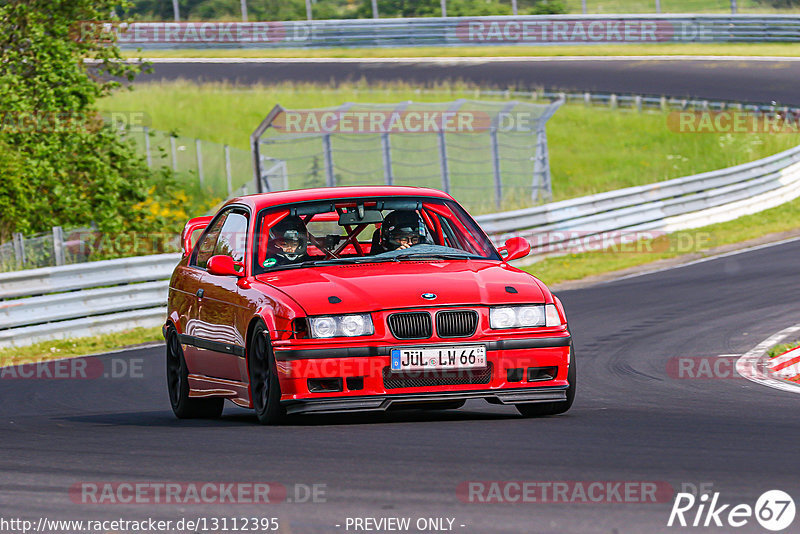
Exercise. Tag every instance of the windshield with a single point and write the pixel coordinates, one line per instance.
(366, 230)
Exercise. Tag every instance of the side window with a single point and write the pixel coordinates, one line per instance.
(205, 248)
(232, 237)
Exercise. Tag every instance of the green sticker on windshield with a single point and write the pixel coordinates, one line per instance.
(269, 262)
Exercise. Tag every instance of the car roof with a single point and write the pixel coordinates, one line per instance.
(277, 198)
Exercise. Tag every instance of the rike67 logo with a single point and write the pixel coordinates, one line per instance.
(774, 510)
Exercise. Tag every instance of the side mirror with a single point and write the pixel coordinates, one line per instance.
(198, 223)
(515, 248)
(224, 266)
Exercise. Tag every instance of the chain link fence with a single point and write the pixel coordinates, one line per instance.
(489, 155)
(211, 169)
(57, 247)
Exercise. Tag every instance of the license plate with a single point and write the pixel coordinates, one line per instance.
(438, 358)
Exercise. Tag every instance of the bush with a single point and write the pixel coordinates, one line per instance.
(60, 165)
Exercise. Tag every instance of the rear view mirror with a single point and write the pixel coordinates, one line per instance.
(515, 248)
(360, 215)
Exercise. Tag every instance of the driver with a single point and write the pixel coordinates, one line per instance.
(400, 230)
(289, 241)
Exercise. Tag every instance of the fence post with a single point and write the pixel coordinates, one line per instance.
(199, 155)
(330, 179)
(498, 182)
(542, 188)
(443, 162)
(658, 6)
(19, 249)
(587, 99)
(228, 178)
(58, 246)
(612, 101)
(638, 100)
(147, 147)
(174, 153)
(387, 159)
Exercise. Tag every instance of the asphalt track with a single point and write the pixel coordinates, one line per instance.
(727, 79)
(632, 421)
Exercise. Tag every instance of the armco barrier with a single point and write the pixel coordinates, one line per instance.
(459, 31)
(668, 206)
(69, 301)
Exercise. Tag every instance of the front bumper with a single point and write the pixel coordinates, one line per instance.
(378, 403)
(507, 379)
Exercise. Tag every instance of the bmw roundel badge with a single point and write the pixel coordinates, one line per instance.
(429, 296)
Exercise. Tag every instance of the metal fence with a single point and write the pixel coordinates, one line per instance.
(460, 31)
(57, 247)
(213, 169)
(489, 155)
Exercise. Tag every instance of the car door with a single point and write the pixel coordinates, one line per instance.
(221, 303)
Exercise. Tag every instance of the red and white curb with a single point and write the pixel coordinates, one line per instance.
(776, 372)
(786, 366)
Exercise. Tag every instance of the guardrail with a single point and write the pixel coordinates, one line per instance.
(678, 204)
(70, 300)
(454, 31)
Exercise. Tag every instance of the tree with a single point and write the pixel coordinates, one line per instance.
(59, 163)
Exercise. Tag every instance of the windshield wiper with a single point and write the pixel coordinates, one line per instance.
(344, 261)
(436, 255)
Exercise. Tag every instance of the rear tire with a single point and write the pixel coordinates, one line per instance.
(539, 409)
(265, 389)
(183, 406)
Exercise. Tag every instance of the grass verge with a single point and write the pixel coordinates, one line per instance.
(777, 350)
(81, 346)
(592, 149)
(687, 49)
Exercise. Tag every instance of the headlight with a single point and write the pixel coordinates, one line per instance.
(341, 326)
(517, 317)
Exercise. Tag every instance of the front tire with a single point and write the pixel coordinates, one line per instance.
(539, 409)
(183, 406)
(265, 390)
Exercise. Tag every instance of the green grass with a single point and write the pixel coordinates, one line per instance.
(692, 49)
(66, 348)
(777, 350)
(591, 149)
(577, 266)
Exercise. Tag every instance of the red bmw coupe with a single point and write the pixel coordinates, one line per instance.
(357, 299)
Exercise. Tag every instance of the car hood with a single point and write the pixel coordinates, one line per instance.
(383, 286)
